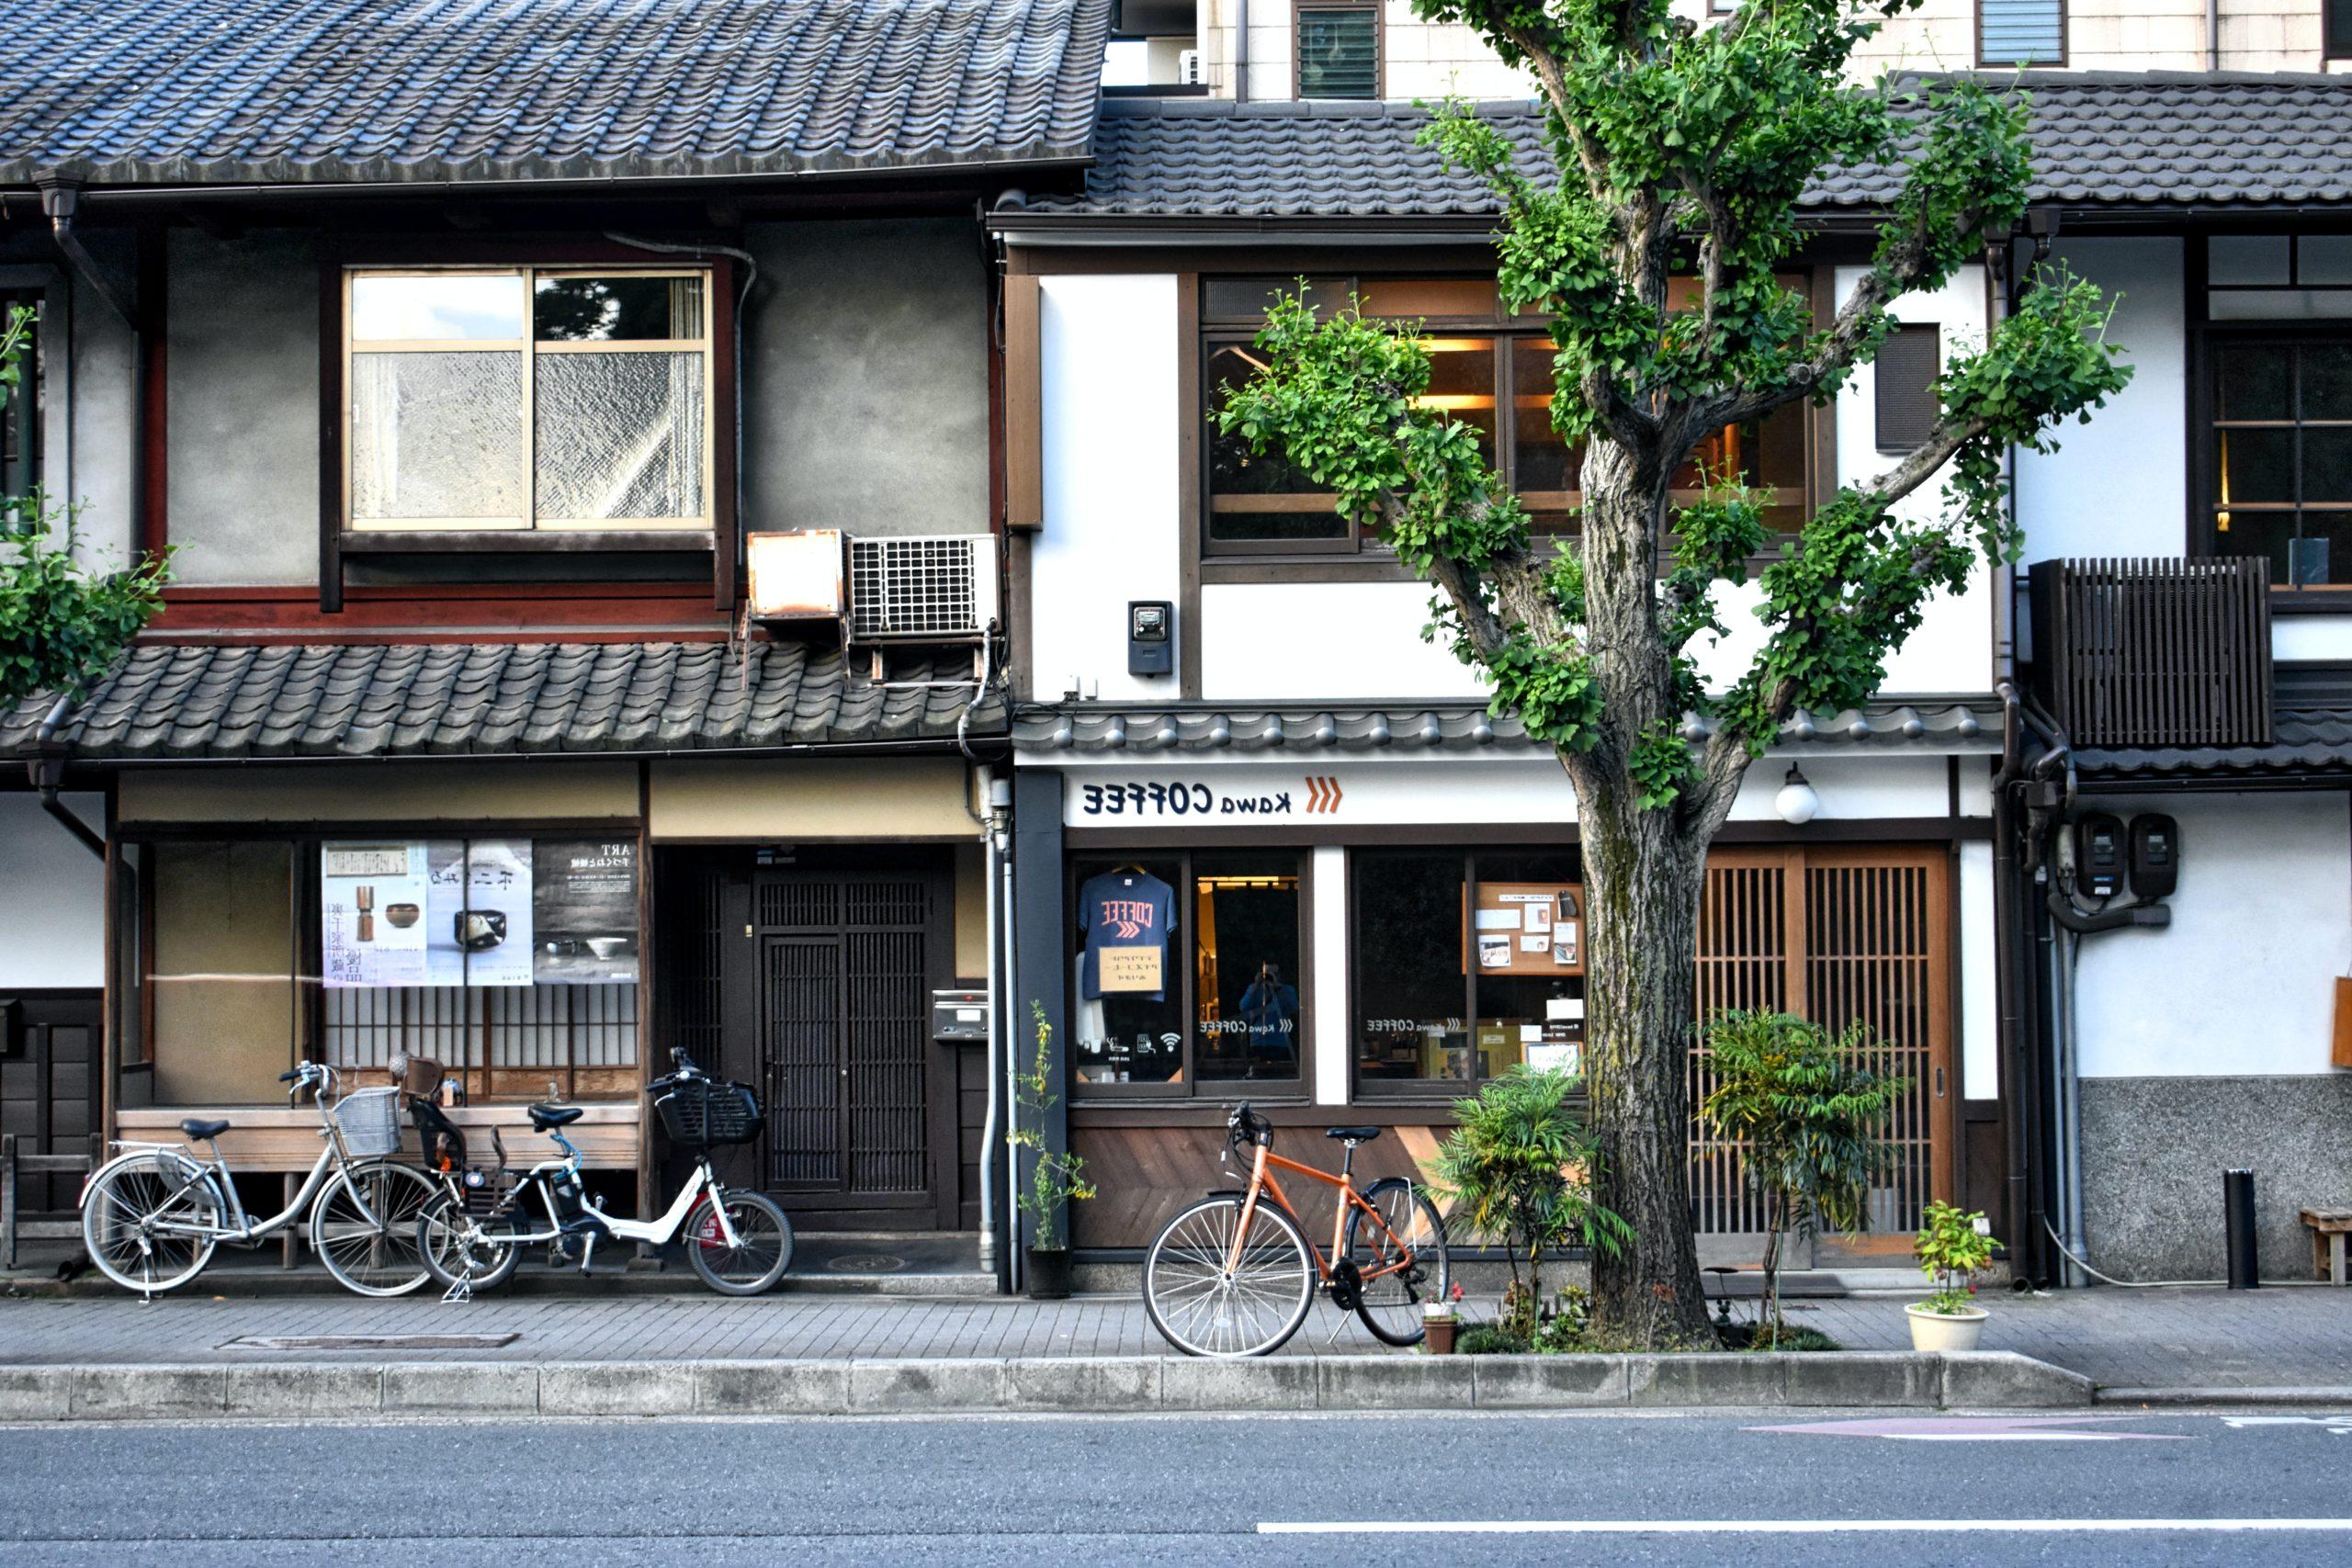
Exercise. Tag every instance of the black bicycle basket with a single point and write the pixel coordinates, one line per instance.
(703, 1111)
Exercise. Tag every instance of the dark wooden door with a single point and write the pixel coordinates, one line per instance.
(845, 976)
(47, 1089)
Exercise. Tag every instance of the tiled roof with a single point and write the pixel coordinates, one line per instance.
(2100, 138)
(457, 699)
(2304, 741)
(190, 91)
(1952, 725)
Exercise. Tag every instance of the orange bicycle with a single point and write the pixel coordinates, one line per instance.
(1234, 1275)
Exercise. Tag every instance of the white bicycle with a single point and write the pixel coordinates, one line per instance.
(740, 1243)
(153, 1215)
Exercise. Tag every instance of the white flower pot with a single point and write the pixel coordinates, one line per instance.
(1942, 1331)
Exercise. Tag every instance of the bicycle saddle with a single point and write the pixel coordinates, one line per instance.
(200, 1131)
(1353, 1135)
(547, 1118)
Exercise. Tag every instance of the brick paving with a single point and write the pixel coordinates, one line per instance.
(2272, 1338)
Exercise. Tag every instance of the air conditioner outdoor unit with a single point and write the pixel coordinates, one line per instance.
(929, 589)
(1188, 68)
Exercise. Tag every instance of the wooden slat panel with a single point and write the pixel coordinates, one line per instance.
(2156, 652)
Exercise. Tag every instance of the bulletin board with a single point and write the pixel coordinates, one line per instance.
(1528, 930)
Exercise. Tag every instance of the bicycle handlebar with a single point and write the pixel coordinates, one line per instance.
(1246, 1126)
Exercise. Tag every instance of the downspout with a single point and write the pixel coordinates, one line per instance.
(1240, 51)
(47, 773)
(2212, 35)
(992, 1128)
(60, 202)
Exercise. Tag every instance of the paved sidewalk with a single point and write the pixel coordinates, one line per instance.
(2271, 1338)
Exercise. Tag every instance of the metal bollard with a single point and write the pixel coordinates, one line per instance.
(2237, 1219)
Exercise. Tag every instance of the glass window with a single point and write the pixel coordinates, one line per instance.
(2281, 458)
(2339, 39)
(1465, 967)
(1184, 973)
(528, 399)
(1338, 51)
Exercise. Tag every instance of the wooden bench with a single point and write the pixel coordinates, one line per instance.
(2329, 1229)
(14, 1164)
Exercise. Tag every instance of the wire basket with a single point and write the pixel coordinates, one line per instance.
(369, 1120)
(703, 1111)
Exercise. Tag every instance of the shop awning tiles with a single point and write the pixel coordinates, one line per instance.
(347, 700)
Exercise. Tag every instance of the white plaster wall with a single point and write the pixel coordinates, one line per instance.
(1108, 363)
(52, 896)
(1334, 1052)
(1980, 1049)
(2311, 636)
(2118, 485)
(1329, 641)
(2242, 983)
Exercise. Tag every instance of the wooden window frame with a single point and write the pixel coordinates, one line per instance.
(2205, 462)
(2066, 44)
(1274, 1091)
(1379, 48)
(717, 535)
(1511, 335)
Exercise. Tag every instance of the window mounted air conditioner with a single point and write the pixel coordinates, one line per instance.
(927, 589)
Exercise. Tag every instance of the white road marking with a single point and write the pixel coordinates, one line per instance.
(1801, 1527)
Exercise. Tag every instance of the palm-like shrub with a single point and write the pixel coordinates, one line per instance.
(1518, 1171)
(1808, 1111)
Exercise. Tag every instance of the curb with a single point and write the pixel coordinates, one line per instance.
(1082, 1386)
(2191, 1398)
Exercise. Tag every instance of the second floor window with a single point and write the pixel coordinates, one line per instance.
(1338, 51)
(1491, 371)
(2282, 456)
(526, 398)
(2021, 32)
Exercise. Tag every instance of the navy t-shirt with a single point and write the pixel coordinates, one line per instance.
(1124, 909)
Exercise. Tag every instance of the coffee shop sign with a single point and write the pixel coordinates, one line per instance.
(1313, 795)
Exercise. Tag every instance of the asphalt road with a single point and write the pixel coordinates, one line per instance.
(1121, 1492)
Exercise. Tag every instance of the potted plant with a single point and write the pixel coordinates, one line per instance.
(1806, 1109)
(1055, 1179)
(1953, 1249)
(1439, 1320)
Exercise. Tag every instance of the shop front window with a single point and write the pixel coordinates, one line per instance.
(1465, 967)
(512, 961)
(1184, 974)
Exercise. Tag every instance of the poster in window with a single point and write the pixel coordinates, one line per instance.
(1547, 917)
(372, 897)
(584, 900)
(492, 929)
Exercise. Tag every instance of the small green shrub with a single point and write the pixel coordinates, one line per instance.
(1491, 1339)
(1952, 1252)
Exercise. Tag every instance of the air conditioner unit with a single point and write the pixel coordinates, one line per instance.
(928, 589)
(1188, 68)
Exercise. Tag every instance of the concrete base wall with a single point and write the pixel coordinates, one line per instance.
(2153, 1150)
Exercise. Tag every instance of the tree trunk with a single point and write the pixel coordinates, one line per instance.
(1642, 883)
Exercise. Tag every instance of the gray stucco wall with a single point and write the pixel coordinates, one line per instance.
(244, 328)
(2153, 1150)
(866, 379)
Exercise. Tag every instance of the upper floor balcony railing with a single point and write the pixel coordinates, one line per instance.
(2154, 653)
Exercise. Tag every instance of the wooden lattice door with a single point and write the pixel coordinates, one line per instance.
(845, 1004)
(1841, 935)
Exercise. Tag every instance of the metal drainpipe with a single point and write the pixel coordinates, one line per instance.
(990, 1128)
(47, 772)
(1240, 51)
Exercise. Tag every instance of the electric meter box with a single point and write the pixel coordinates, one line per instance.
(2155, 856)
(959, 1017)
(2098, 856)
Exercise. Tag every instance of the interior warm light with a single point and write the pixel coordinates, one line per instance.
(1455, 401)
(794, 576)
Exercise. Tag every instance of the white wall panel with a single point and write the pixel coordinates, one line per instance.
(1980, 1000)
(1324, 641)
(1108, 356)
(1327, 930)
(52, 896)
(2243, 982)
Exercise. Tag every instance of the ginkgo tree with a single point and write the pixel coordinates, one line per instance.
(1675, 157)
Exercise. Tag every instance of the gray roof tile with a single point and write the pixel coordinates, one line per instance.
(2104, 139)
(191, 91)
(199, 703)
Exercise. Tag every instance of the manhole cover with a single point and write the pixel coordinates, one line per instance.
(370, 1341)
(866, 1263)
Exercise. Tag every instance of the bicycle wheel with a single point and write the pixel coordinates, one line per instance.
(451, 1244)
(1204, 1310)
(1400, 1266)
(148, 1220)
(363, 1226)
(755, 1264)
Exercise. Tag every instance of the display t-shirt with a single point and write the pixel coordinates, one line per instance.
(1125, 910)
